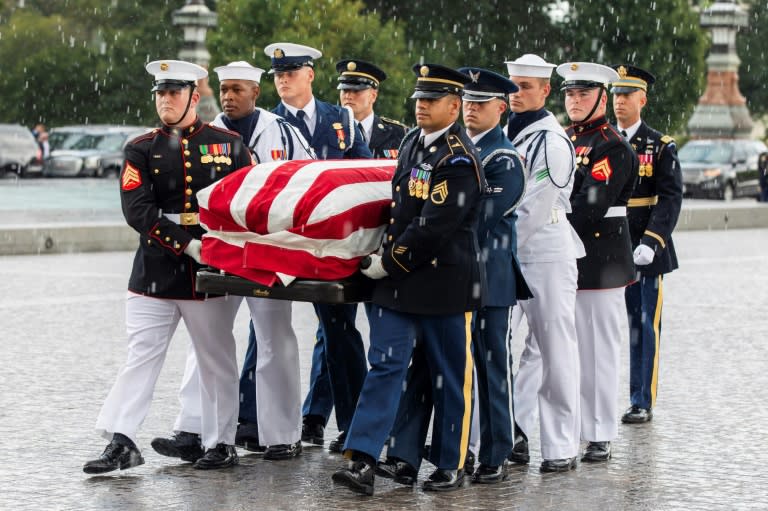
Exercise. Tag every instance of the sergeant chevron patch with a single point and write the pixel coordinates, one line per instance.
(439, 192)
(131, 177)
(602, 170)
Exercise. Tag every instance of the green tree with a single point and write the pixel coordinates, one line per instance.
(752, 44)
(480, 33)
(83, 60)
(662, 36)
(338, 28)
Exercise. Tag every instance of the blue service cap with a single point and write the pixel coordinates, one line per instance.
(486, 85)
(434, 81)
(174, 74)
(358, 75)
(290, 56)
(631, 79)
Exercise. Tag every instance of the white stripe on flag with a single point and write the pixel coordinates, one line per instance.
(250, 186)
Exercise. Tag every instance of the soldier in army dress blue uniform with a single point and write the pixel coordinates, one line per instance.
(359, 83)
(163, 170)
(652, 212)
(428, 280)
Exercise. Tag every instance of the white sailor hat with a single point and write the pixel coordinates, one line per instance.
(289, 56)
(174, 74)
(239, 70)
(530, 65)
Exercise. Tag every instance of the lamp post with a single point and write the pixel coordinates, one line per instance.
(195, 19)
(722, 110)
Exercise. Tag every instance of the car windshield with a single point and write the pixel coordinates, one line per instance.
(108, 142)
(64, 139)
(706, 153)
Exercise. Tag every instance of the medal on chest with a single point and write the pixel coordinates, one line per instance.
(216, 153)
(340, 134)
(646, 165)
(582, 153)
(418, 183)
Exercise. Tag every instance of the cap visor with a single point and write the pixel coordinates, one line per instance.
(352, 86)
(624, 90)
(468, 96)
(423, 94)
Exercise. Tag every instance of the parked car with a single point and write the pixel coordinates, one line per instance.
(20, 154)
(89, 150)
(721, 168)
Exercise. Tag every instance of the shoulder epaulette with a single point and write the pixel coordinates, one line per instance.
(392, 121)
(145, 136)
(455, 145)
(666, 139)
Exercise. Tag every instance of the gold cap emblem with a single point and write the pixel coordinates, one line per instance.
(622, 71)
(424, 70)
(278, 54)
(163, 66)
(574, 67)
(351, 66)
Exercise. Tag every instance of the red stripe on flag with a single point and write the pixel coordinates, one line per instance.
(222, 255)
(257, 212)
(331, 179)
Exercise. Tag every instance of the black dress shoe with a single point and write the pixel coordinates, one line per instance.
(597, 451)
(561, 465)
(486, 474)
(312, 433)
(358, 477)
(469, 462)
(181, 445)
(637, 415)
(282, 451)
(398, 470)
(115, 456)
(519, 453)
(444, 480)
(247, 437)
(221, 456)
(337, 445)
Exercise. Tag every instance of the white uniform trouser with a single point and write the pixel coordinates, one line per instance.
(598, 326)
(548, 374)
(150, 323)
(277, 377)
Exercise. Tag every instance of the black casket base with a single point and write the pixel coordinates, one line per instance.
(357, 288)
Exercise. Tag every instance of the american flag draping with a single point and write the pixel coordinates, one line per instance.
(311, 219)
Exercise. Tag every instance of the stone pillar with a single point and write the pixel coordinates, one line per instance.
(722, 111)
(195, 18)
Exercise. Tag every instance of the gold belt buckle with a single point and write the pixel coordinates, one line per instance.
(189, 219)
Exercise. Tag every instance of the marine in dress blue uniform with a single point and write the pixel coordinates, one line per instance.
(603, 182)
(485, 100)
(359, 83)
(429, 279)
(163, 170)
(338, 365)
(652, 212)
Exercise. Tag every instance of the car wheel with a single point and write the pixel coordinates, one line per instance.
(728, 193)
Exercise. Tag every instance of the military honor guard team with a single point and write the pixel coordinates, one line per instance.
(489, 224)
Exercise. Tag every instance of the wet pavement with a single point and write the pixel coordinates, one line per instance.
(63, 342)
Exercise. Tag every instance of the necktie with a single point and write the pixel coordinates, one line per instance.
(303, 127)
(362, 131)
(624, 133)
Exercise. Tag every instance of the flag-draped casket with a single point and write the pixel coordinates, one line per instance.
(296, 219)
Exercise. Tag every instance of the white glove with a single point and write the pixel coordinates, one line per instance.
(643, 255)
(376, 269)
(193, 250)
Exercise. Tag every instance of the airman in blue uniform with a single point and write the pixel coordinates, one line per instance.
(652, 212)
(338, 360)
(429, 279)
